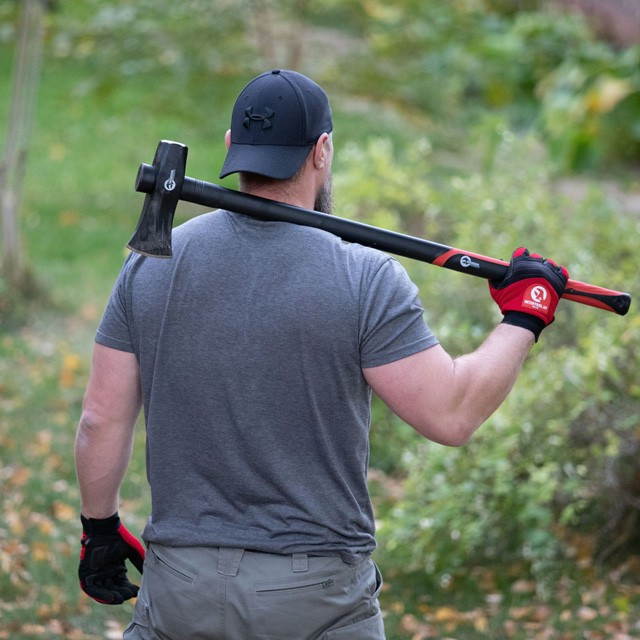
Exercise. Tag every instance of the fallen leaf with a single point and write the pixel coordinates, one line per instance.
(113, 630)
(56, 627)
(41, 552)
(523, 586)
(44, 524)
(587, 614)
(69, 218)
(41, 447)
(64, 512)
(16, 523)
(19, 476)
(71, 365)
(446, 614)
(520, 613)
(397, 607)
(481, 623)
(33, 629)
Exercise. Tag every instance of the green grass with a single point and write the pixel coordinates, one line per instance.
(80, 205)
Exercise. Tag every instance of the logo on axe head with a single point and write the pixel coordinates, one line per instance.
(257, 117)
(170, 182)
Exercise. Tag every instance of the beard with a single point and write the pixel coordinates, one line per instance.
(324, 197)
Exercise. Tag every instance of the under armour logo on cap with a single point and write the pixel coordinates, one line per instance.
(256, 117)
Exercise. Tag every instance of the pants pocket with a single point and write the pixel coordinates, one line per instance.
(377, 586)
(292, 588)
(300, 607)
(370, 628)
(166, 563)
(175, 603)
(138, 629)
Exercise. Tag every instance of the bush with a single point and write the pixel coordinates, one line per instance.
(538, 65)
(590, 106)
(560, 454)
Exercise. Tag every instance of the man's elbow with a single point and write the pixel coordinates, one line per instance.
(450, 432)
(457, 435)
(460, 435)
(90, 426)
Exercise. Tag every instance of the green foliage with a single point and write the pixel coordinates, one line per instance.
(470, 50)
(538, 65)
(589, 108)
(559, 455)
(447, 59)
(378, 189)
(176, 43)
(390, 439)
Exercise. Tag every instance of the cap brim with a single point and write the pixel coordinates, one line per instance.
(272, 161)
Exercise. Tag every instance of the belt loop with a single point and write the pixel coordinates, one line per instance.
(229, 561)
(300, 562)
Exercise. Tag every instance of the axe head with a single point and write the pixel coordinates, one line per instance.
(162, 183)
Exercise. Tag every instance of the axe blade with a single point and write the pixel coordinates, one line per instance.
(152, 236)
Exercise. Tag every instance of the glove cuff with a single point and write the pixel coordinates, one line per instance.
(526, 321)
(100, 526)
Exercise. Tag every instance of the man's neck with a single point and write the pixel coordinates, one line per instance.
(295, 197)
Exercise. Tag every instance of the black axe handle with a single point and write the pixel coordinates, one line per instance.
(211, 195)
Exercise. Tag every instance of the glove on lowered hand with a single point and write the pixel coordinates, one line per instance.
(530, 291)
(106, 544)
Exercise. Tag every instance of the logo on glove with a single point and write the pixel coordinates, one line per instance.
(536, 297)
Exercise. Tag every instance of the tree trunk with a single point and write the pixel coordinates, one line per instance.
(26, 77)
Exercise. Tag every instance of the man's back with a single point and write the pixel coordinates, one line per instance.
(251, 343)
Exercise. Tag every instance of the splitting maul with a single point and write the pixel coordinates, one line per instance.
(165, 184)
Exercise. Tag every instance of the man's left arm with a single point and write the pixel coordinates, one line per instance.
(104, 443)
(104, 439)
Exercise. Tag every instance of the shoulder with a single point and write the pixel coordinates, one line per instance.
(194, 227)
(349, 251)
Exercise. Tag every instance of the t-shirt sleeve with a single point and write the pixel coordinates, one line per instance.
(113, 330)
(392, 324)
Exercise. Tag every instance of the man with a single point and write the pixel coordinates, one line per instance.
(254, 351)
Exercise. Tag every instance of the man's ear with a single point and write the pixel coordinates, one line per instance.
(321, 151)
(227, 138)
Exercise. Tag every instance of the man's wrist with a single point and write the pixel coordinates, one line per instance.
(526, 321)
(98, 526)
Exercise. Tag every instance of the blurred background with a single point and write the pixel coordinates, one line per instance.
(482, 124)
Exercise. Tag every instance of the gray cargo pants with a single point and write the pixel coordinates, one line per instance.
(204, 593)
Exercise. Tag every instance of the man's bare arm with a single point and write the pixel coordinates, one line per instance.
(104, 439)
(447, 399)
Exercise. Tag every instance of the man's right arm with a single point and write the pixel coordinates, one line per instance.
(447, 399)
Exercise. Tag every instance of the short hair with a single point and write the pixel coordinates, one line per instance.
(252, 181)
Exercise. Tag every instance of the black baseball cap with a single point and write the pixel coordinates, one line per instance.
(276, 120)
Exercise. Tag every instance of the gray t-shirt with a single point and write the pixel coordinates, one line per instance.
(251, 342)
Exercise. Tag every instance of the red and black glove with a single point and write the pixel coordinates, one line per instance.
(106, 544)
(530, 291)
